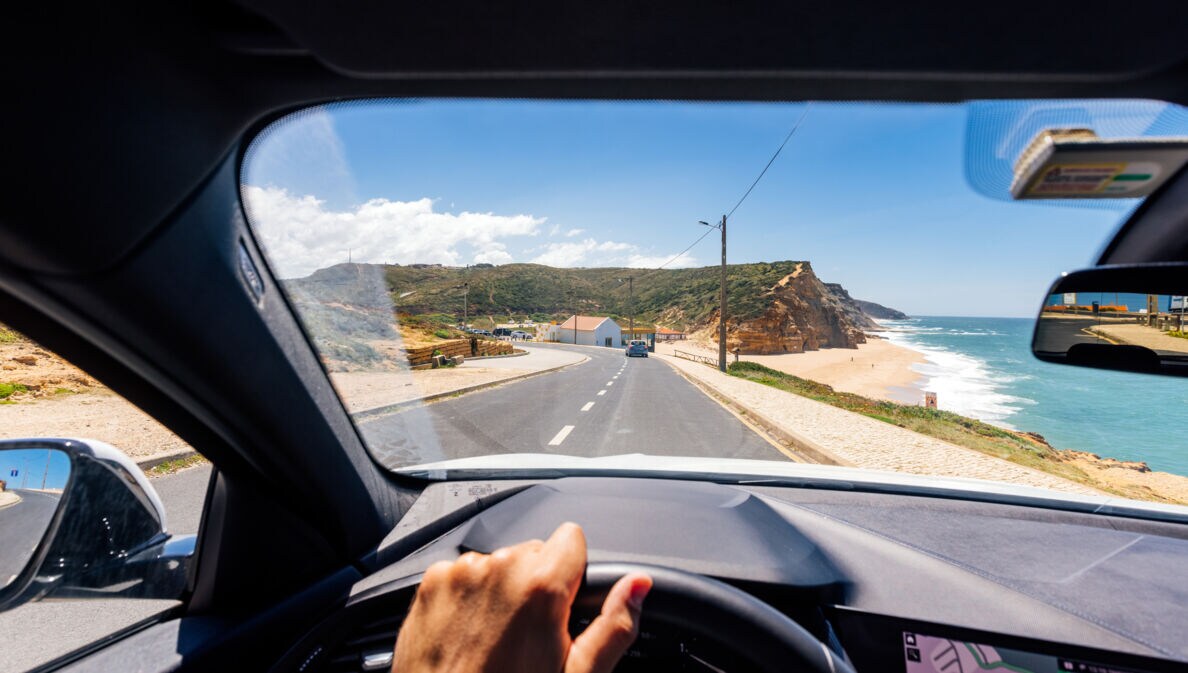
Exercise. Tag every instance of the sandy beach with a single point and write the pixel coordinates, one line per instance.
(878, 369)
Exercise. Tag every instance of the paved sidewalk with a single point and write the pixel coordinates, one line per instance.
(372, 390)
(864, 442)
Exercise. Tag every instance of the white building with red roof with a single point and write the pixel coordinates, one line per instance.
(586, 330)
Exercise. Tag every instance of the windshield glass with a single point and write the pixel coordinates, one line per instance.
(536, 284)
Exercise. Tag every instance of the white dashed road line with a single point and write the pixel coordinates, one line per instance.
(560, 437)
(601, 392)
(610, 383)
(587, 407)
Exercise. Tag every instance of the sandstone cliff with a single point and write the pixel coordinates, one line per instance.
(852, 307)
(803, 314)
(880, 312)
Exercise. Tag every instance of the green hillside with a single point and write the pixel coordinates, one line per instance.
(683, 298)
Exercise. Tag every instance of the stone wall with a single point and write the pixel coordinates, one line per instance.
(467, 348)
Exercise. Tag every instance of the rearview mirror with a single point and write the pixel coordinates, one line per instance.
(78, 518)
(1129, 318)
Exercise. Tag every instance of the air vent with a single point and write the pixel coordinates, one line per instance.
(367, 648)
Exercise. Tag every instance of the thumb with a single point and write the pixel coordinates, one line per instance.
(607, 638)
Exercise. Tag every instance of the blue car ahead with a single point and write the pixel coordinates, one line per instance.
(637, 347)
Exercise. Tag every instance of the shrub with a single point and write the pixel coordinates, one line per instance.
(7, 389)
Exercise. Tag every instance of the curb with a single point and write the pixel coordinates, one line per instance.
(153, 461)
(522, 353)
(810, 451)
(400, 406)
(14, 502)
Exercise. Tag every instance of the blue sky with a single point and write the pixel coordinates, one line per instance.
(31, 466)
(877, 196)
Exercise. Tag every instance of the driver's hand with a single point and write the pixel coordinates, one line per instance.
(509, 611)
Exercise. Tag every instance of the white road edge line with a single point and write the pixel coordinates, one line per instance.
(587, 406)
(601, 392)
(556, 441)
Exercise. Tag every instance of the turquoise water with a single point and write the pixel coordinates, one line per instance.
(983, 367)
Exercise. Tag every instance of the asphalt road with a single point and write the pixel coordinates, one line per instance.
(21, 527)
(1057, 335)
(609, 405)
(183, 494)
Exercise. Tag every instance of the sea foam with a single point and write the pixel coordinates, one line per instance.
(963, 383)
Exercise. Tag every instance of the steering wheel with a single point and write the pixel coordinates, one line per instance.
(715, 610)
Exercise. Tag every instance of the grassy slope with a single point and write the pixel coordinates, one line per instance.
(544, 293)
(944, 425)
(8, 335)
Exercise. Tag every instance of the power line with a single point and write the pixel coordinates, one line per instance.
(772, 159)
(679, 254)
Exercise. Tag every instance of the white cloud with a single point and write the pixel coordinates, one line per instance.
(575, 232)
(588, 252)
(493, 256)
(592, 253)
(301, 235)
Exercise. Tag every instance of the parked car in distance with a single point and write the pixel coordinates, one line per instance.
(637, 347)
(521, 335)
(502, 332)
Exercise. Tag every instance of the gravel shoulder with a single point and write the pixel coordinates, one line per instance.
(865, 442)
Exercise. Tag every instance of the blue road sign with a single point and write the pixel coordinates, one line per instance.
(13, 473)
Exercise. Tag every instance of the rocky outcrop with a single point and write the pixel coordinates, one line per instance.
(880, 312)
(804, 315)
(851, 307)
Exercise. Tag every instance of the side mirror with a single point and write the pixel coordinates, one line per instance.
(1129, 318)
(79, 518)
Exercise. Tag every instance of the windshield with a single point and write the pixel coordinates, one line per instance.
(539, 284)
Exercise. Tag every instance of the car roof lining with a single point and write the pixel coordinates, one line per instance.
(216, 69)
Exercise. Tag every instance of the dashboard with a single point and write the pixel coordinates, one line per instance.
(902, 583)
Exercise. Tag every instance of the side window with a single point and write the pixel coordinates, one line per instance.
(136, 571)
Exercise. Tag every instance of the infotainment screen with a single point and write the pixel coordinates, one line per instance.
(930, 654)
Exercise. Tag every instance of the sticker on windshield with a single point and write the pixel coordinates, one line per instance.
(1075, 179)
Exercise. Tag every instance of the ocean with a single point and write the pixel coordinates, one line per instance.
(983, 368)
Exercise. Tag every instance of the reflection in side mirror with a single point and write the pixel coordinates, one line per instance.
(1130, 318)
(31, 485)
(81, 519)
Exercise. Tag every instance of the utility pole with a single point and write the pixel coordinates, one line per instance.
(630, 306)
(465, 287)
(631, 302)
(721, 297)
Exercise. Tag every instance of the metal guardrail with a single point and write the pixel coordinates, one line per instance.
(703, 359)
